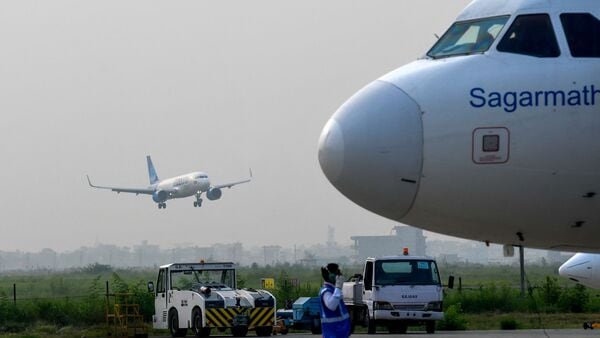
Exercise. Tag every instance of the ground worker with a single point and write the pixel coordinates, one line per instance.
(335, 319)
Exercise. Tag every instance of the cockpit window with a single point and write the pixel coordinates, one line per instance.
(530, 35)
(200, 176)
(583, 34)
(468, 37)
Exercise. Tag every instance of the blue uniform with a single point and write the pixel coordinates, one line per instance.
(335, 324)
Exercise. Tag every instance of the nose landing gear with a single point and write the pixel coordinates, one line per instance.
(162, 205)
(198, 201)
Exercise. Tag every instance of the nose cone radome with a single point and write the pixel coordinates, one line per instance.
(579, 268)
(371, 149)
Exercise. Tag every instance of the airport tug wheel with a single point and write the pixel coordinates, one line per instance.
(264, 331)
(199, 331)
(174, 325)
(239, 331)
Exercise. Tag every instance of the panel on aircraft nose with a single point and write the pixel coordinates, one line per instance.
(372, 148)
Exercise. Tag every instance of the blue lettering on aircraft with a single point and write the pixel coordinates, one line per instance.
(510, 101)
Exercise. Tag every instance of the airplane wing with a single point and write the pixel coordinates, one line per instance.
(137, 191)
(229, 185)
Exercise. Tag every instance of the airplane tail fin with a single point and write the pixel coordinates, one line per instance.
(151, 171)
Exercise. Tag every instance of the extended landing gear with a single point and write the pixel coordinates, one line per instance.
(162, 205)
(198, 201)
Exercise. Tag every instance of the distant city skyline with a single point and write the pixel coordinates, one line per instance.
(145, 254)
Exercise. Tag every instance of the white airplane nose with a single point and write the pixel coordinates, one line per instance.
(372, 147)
(578, 268)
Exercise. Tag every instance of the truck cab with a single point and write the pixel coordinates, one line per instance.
(396, 291)
(203, 296)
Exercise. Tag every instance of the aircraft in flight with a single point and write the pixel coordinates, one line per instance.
(493, 135)
(192, 184)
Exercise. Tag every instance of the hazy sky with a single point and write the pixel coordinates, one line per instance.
(92, 87)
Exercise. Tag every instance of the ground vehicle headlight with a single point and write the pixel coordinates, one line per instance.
(382, 306)
(434, 306)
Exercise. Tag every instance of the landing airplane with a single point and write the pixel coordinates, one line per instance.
(493, 135)
(192, 184)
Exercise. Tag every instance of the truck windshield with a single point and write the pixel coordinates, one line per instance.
(194, 279)
(468, 37)
(406, 272)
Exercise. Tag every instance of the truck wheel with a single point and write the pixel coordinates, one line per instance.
(397, 327)
(430, 327)
(315, 327)
(239, 331)
(174, 325)
(315, 330)
(371, 327)
(199, 331)
(264, 331)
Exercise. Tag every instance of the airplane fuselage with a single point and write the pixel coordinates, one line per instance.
(546, 114)
(184, 185)
(497, 145)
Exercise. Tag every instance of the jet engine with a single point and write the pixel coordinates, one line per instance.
(159, 196)
(214, 194)
(583, 268)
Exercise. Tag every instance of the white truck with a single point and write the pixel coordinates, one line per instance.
(203, 296)
(396, 291)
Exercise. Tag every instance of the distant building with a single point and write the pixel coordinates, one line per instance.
(449, 258)
(402, 237)
(271, 254)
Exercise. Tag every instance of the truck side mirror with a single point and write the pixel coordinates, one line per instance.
(150, 287)
(368, 278)
(451, 282)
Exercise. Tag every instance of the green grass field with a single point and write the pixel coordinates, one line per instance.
(51, 304)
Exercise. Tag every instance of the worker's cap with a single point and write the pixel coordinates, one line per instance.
(329, 272)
